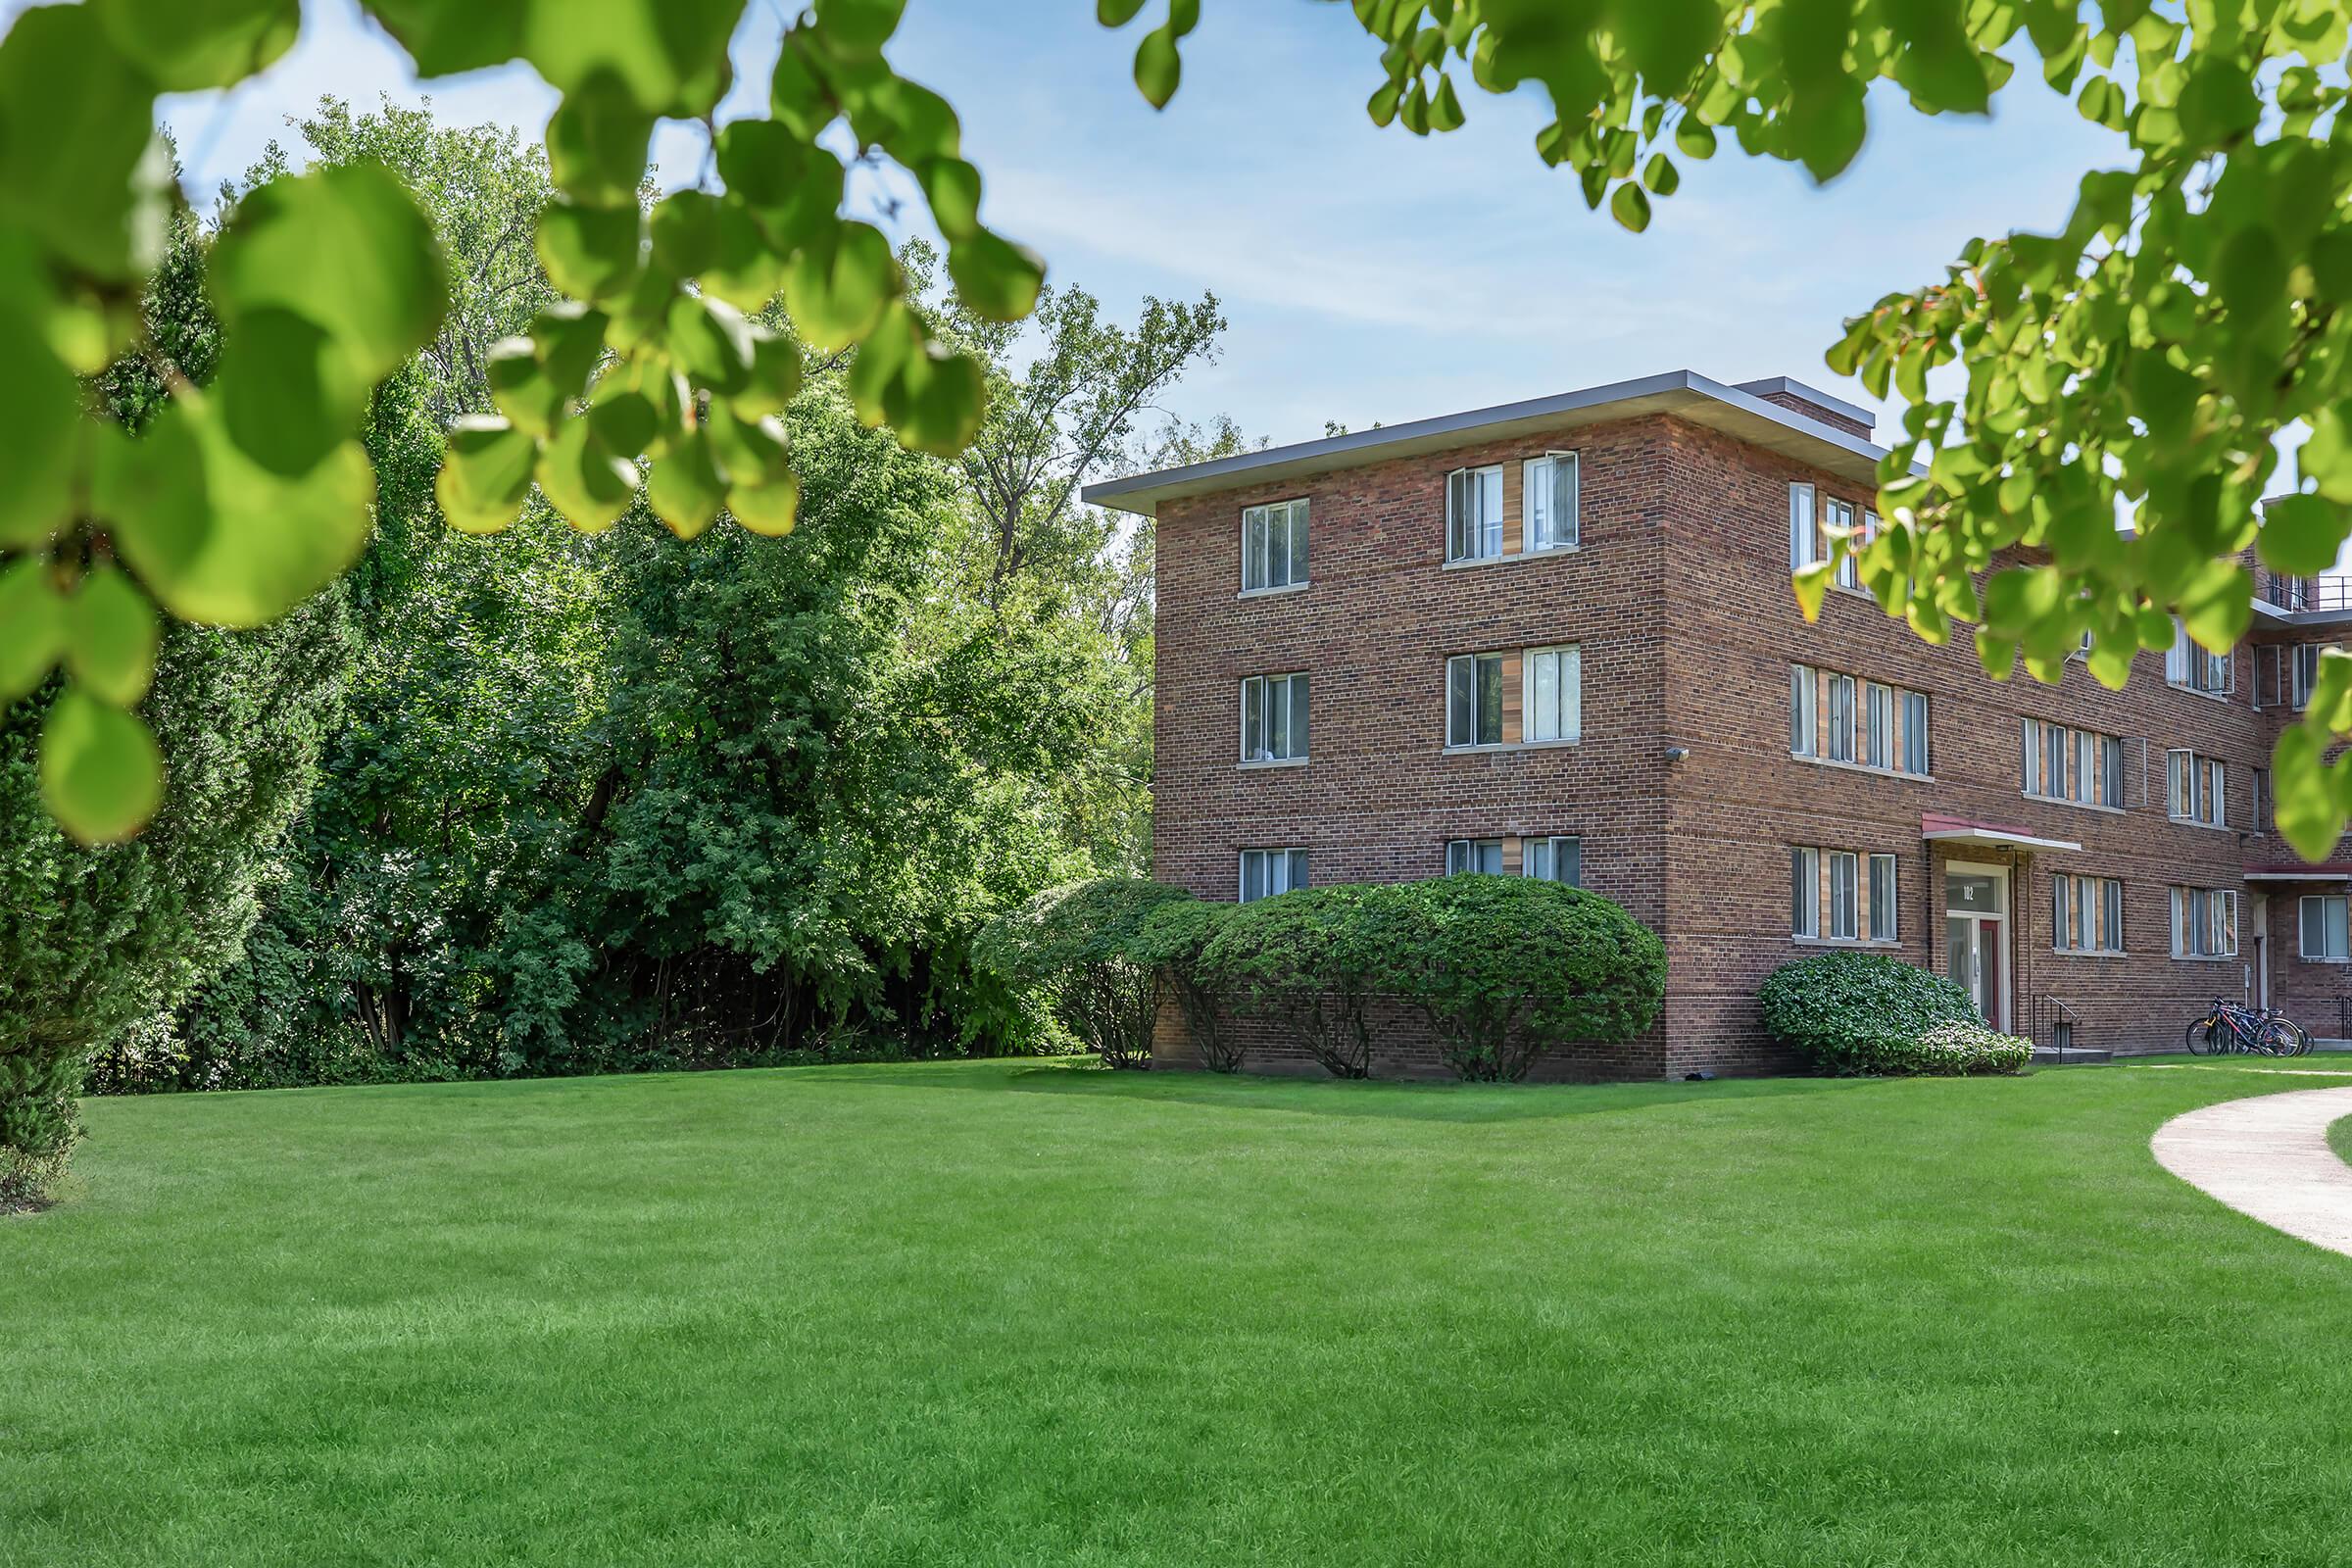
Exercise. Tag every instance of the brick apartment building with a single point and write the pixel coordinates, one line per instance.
(1557, 637)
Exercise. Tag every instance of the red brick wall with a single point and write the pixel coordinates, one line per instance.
(1680, 601)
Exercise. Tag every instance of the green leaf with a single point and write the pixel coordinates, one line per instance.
(685, 231)
(345, 249)
(1158, 68)
(595, 141)
(32, 626)
(486, 477)
(520, 387)
(112, 635)
(672, 55)
(770, 509)
(2217, 605)
(1116, 13)
(48, 435)
(776, 378)
(859, 27)
(1812, 586)
(2304, 802)
(748, 272)
(79, 165)
(101, 772)
(216, 537)
(685, 489)
(1629, 206)
(835, 291)
(188, 45)
(623, 420)
(590, 253)
(997, 278)
(2302, 534)
(586, 482)
(712, 343)
(287, 391)
(953, 188)
(938, 401)
(1694, 138)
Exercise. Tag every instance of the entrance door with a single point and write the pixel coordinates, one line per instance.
(1976, 902)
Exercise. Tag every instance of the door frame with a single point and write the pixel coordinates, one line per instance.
(2258, 918)
(2005, 982)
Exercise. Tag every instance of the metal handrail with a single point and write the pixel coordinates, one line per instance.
(2050, 1010)
(2293, 594)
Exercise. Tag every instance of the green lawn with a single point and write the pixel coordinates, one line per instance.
(1022, 1313)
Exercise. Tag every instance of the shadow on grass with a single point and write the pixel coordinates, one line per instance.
(1331, 1097)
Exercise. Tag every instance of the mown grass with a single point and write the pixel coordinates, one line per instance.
(1021, 1314)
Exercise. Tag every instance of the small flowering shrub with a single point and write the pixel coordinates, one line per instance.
(1072, 941)
(1865, 1013)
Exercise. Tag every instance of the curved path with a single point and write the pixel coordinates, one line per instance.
(2269, 1157)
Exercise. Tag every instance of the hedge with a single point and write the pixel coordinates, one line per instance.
(1074, 942)
(1869, 1014)
(1174, 939)
(1306, 962)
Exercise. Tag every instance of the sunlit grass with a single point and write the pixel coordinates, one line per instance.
(1014, 1313)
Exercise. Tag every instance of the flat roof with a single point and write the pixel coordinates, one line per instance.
(1740, 413)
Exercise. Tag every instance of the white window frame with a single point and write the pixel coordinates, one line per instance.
(1804, 711)
(2303, 681)
(1837, 515)
(1295, 688)
(1539, 530)
(2336, 934)
(2196, 789)
(2086, 914)
(1466, 856)
(1882, 909)
(1294, 868)
(1845, 896)
(1877, 725)
(2189, 666)
(1804, 893)
(1540, 858)
(1473, 743)
(2211, 914)
(1845, 718)
(1486, 483)
(1569, 674)
(1293, 516)
(1917, 730)
(1804, 527)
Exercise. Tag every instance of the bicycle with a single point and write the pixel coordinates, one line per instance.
(2230, 1029)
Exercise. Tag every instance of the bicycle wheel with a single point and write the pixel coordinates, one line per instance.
(2204, 1038)
(2290, 1038)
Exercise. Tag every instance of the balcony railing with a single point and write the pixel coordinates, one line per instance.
(2306, 592)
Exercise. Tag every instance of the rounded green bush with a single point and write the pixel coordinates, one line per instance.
(1073, 941)
(1507, 967)
(1173, 939)
(1869, 1014)
(1308, 960)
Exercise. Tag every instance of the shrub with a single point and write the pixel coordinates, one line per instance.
(1968, 1049)
(1173, 939)
(1308, 961)
(1865, 1012)
(1073, 942)
(1505, 967)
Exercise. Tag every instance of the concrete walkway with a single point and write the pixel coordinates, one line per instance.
(2267, 1156)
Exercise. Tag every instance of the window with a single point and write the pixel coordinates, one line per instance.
(1845, 896)
(2204, 924)
(1842, 718)
(2259, 805)
(1474, 700)
(1554, 696)
(2324, 929)
(1483, 856)
(1548, 484)
(2191, 666)
(1273, 546)
(2193, 789)
(1839, 517)
(1804, 691)
(1804, 531)
(1804, 892)
(1274, 719)
(1915, 732)
(2307, 673)
(2073, 764)
(1882, 902)
(2086, 913)
(1878, 725)
(1267, 872)
(1555, 860)
(1474, 514)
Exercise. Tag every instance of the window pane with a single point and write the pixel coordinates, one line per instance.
(1278, 547)
(1915, 732)
(2030, 774)
(1543, 707)
(1801, 552)
(1843, 894)
(1490, 510)
(1564, 529)
(2111, 898)
(1800, 709)
(1457, 857)
(1490, 700)
(1295, 870)
(1535, 489)
(1882, 898)
(1297, 709)
(2337, 945)
(1254, 722)
(1489, 856)
(1254, 875)
(2057, 911)
(1253, 548)
(2315, 930)
(1568, 861)
(1535, 859)
(1804, 893)
(1461, 701)
(1297, 542)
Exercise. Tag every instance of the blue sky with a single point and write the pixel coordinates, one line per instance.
(1368, 275)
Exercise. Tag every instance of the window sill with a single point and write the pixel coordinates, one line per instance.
(2190, 822)
(2200, 691)
(1538, 553)
(2090, 953)
(2079, 806)
(1274, 593)
(1260, 763)
(2204, 957)
(1861, 768)
(2305, 957)
(1847, 942)
(1509, 746)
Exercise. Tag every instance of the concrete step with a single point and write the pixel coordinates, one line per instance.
(2072, 1056)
